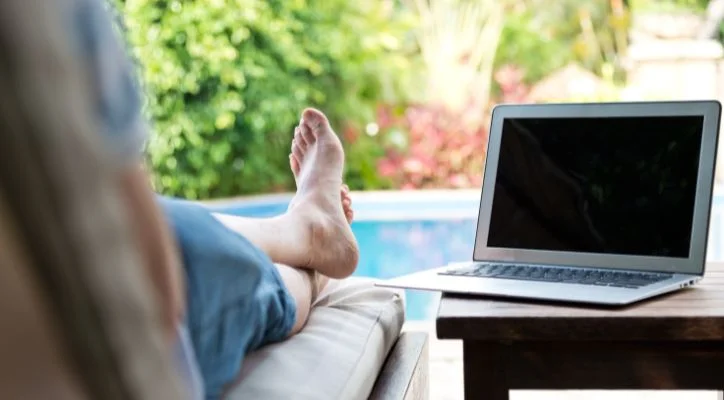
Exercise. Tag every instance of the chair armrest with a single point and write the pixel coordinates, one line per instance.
(404, 376)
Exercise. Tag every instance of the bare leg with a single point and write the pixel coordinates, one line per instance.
(302, 284)
(255, 229)
(315, 232)
(274, 236)
(303, 287)
(282, 238)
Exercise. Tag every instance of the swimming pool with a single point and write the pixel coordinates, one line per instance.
(402, 232)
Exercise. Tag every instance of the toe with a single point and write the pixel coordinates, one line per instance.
(300, 139)
(314, 118)
(344, 194)
(294, 164)
(297, 151)
(316, 121)
(307, 134)
(349, 216)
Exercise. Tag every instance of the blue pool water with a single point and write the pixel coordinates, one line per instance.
(394, 248)
(399, 233)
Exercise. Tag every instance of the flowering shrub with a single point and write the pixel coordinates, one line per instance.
(510, 80)
(430, 147)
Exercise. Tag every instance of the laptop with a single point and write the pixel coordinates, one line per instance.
(605, 203)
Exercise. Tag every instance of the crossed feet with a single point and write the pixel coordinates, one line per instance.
(322, 203)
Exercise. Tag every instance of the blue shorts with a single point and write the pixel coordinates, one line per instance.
(237, 301)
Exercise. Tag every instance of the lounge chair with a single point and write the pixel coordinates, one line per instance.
(351, 348)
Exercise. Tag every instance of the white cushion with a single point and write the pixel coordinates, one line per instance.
(336, 356)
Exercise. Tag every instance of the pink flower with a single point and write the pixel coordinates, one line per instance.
(387, 167)
(442, 150)
(412, 166)
(459, 181)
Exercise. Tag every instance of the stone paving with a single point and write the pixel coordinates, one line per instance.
(446, 378)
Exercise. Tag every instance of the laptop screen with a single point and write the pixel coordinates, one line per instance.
(613, 185)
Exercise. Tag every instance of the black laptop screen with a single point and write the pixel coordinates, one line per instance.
(623, 185)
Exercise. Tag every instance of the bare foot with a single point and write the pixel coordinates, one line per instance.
(347, 203)
(317, 161)
(344, 195)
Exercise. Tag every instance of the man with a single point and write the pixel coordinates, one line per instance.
(234, 299)
(78, 318)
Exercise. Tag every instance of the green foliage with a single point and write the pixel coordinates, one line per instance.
(363, 155)
(227, 80)
(541, 36)
(528, 43)
(669, 5)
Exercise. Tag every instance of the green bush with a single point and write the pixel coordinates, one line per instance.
(529, 43)
(541, 36)
(227, 79)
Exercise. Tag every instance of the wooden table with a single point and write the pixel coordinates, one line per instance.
(671, 342)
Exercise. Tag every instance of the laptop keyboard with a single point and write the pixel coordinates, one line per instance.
(581, 276)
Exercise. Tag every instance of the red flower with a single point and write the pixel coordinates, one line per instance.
(443, 152)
